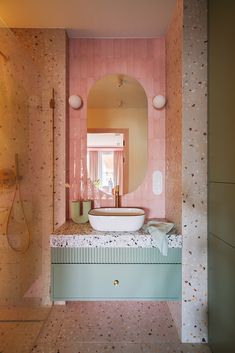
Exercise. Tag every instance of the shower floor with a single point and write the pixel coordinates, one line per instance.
(20, 327)
(118, 327)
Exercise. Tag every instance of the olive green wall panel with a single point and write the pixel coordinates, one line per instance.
(221, 59)
(221, 108)
(222, 211)
(221, 291)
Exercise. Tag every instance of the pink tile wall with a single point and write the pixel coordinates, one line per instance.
(174, 40)
(143, 59)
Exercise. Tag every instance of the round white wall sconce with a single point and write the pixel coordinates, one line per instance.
(75, 101)
(159, 101)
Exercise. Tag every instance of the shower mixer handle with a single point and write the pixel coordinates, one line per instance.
(18, 177)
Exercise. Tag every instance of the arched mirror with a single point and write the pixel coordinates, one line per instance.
(117, 125)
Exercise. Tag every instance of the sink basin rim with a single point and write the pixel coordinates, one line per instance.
(111, 219)
(117, 212)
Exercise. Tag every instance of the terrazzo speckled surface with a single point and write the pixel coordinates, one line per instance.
(47, 50)
(20, 327)
(18, 337)
(194, 176)
(24, 313)
(119, 327)
(36, 64)
(82, 235)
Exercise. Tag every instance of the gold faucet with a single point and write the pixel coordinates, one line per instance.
(116, 194)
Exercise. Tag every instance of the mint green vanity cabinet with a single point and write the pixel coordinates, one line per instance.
(116, 281)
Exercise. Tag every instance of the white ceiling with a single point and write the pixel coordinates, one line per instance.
(91, 18)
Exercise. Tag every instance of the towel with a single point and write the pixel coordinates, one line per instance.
(158, 231)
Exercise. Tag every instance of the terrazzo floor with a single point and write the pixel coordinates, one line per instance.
(20, 327)
(112, 327)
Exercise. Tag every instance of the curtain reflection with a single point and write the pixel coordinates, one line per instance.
(105, 168)
(93, 165)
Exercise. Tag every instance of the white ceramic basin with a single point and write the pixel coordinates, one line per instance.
(112, 219)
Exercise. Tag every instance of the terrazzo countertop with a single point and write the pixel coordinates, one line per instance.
(71, 234)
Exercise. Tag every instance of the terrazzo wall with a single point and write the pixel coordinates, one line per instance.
(174, 41)
(194, 172)
(14, 138)
(36, 63)
(143, 59)
(47, 49)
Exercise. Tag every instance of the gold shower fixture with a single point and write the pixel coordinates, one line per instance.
(12, 225)
(5, 57)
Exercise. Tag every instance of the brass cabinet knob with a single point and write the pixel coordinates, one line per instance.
(116, 282)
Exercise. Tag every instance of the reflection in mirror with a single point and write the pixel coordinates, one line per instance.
(117, 134)
(107, 159)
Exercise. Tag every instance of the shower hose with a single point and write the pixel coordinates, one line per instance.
(17, 198)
